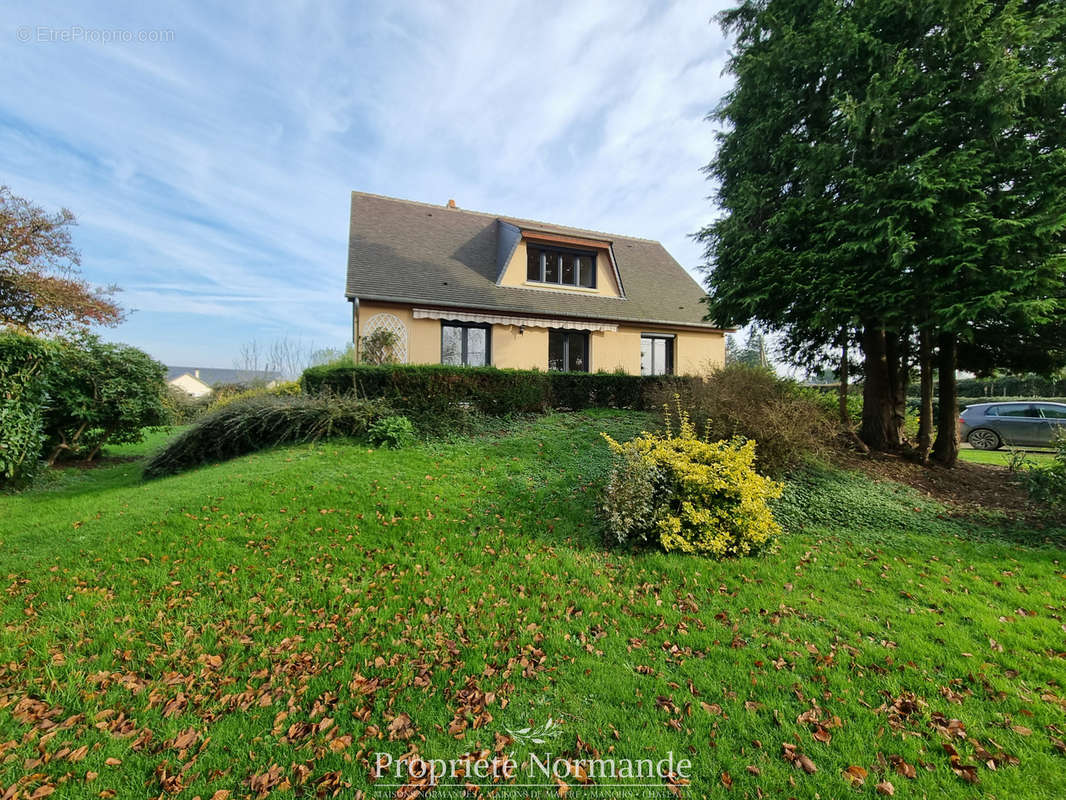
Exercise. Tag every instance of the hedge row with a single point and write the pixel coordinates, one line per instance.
(913, 404)
(1010, 386)
(422, 388)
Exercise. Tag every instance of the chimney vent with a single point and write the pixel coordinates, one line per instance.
(451, 204)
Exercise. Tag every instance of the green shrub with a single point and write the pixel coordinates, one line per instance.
(629, 505)
(24, 365)
(426, 391)
(256, 423)
(379, 347)
(829, 402)
(395, 432)
(787, 421)
(182, 408)
(688, 494)
(1047, 482)
(101, 393)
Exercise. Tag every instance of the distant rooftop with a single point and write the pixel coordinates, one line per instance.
(217, 377)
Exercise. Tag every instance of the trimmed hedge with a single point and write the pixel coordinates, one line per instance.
(913, 405)
(1008, 385)
(433, 387)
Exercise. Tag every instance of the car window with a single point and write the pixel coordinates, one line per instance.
(1053, 412)
(1019, 410)
(991, 411)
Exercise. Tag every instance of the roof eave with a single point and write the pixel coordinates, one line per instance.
(706, 326)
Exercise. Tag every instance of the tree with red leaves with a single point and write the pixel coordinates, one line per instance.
(41, 291)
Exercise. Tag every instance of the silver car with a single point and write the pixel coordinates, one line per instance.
(989, 426)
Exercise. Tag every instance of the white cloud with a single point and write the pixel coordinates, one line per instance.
(211, 173)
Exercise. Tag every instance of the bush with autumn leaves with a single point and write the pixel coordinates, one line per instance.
(689, 494)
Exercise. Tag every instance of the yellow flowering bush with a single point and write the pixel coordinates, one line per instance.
(226, 397)
(689, 494)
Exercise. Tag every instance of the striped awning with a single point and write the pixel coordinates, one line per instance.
(524, 322)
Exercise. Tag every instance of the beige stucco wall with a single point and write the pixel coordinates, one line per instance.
(694, 350)
(528, 350)
(515, 275)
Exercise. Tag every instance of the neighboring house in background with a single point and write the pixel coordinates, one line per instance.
(200, 381)
(463, 287)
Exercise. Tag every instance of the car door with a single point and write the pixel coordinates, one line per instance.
(1020, 424)
(1054, 415)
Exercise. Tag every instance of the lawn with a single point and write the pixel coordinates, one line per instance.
(268, 625)
(1002, 458)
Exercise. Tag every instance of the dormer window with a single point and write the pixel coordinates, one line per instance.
(561, 266)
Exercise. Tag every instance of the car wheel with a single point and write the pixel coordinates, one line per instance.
(984, 439)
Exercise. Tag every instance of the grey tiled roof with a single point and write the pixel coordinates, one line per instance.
(405, 251)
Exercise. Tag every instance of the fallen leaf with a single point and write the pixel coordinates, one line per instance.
(855, 775)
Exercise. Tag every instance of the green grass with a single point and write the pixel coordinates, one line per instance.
(1002, 458)
(285, 609)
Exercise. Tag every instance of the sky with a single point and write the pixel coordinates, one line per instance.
(209, 150)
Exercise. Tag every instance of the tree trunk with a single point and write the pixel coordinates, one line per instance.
(881, 413)
(897, 353)
(946, 447)
(842, 398)
(925, 412)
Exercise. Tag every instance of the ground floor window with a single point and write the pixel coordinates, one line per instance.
(465, 344)
(568, 351)
(656, 354)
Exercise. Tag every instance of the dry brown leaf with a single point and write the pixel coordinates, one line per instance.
(855, 775)
(401, 728)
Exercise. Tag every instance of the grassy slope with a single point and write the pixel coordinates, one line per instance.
(237, 600)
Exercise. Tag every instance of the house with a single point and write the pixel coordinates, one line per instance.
(200, 381)
(451, 286)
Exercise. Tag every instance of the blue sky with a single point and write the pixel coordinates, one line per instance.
(210, 166)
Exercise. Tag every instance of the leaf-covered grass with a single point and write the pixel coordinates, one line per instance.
(276, 620)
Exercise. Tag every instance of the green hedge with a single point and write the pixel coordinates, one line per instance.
(24, 365)
(913, 405)
(1006, 386)
(424, 388)
(972, 401)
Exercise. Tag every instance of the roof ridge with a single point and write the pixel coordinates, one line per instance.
(506, 218)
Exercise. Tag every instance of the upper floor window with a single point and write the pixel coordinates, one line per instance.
(563, 267)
